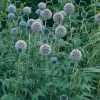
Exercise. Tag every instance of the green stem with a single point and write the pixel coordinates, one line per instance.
(70, 27)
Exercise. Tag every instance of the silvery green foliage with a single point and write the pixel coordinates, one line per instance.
(42, 5)
(97, 18)
(36, 26)
(45, 50)
(20, 46)
(53, 60)
(11, 16)
(11, 9)
(75, 54)
(60, 31)
(46, 14)
(64, 97)
(84, 14)
(14, 31)
(58, 17)
(69, 8)
(22, 23)
(27, 10)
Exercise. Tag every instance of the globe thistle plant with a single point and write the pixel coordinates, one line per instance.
(75, 55)
(55, 25)
(20, 46)
(11, 16)
(22, 13)
(42, 5)
(53, 60)
(11, 9)
(38, 44)
(46, 14)
(22, 24)
(46, 31)
(63, 13)
(84, 14)
(45, 41)
(30, 21)
(58, 17)
(64, 97)
(60, 31)
(27, 10)
(38, 12)
(84, 21)
(72, 64)
(39, 20)
(36, 26)
(97, 18)
(45, 50)
(51, 36)
(14, 31)
(69, 8)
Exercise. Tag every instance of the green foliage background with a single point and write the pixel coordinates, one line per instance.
(37, 81)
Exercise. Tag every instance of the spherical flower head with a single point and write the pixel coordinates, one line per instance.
(45, 50)
(64, 97)
(14, 31)
(60, 31)
(20, 46)
(22, 24)
(21, 13)
(55, 25)
(11, 16)
(46, 31)
(36, 26)
(84, 21)
(45, 41)
(39, 44)
(46, 14)
(72, 64)
(40, 32)
(28, 28)
(54, 60)
(30, 22)
(51, 36)
(58, 17)
(38, 12)
(63, 13)
(42, 5)
(27, 10)
(75, 55)
(39, 20)
(84, 14)
(69, 8)
(97, 17)
(11, 9)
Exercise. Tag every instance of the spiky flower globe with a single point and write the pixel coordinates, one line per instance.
(14, 31)
(22, 13)
(22, 24)
(42, 5)
(51, 36)
(45, 41)
(55, 25)
(45, 50)
(84, 14)
(63, 13)
(38, 12)
(39, 44)
(97, 17)
(46, 31)
(39, 20)
(46, 14)
(54, 60)
(11, 16)
(75, 55)
(27, 10)
(36, 26)
(60, 31)
(72, 64)
(69, 8)
(30, 21)
(20, 46)
(64, 97)
(40, 32)
(58, 17)
(11, 9)
(84, 21)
